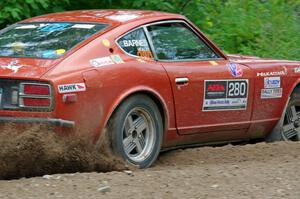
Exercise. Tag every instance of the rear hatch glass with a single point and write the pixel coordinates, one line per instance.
(49, 40)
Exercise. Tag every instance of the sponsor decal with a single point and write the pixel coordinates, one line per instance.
(216, 88)
(272, 82)
(297, 70)
(269, 93)
(225, 95)
(235, 69)
(146, 54)
(135, 43)
(106, 43)
(60, 51)
(26, 27)
(52, 53)
(117, 59)
(141, 60)
(69, 88)
(105, 61)
(51, 27)
(214, 63)
(83, 26)
(13, 65)
(273, 73)
(48, 54)
(122, 17)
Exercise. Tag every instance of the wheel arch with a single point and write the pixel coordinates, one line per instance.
(294, 88)
(155, 96)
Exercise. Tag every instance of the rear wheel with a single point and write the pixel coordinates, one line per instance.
(136, 131)
(289, 126)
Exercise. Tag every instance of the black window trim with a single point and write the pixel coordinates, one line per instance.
(151, 46)
(181, 60)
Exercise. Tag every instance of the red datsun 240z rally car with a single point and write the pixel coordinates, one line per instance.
(152, 79)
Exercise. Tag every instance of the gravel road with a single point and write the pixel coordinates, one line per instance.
(260, 171)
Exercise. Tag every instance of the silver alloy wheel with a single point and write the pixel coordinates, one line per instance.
(291, 126)
(138, 134)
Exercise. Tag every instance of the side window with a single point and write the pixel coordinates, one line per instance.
(176, 41)
(135, 43)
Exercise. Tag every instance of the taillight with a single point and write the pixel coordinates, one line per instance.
(36, 89)
(35, 95)
(31, 102)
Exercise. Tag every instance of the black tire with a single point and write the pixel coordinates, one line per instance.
(136, 131)
(288, 128)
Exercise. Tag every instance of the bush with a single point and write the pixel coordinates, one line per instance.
(254, 27)
(15, 10)
(267, 29)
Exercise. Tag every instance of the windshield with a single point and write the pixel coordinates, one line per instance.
(44, 40)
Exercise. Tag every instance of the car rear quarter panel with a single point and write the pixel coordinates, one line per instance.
(108, 86)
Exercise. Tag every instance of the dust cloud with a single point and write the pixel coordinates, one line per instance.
(36, 150)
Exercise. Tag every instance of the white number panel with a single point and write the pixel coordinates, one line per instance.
(225, 95)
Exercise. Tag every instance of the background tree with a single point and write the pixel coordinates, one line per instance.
(254, 27)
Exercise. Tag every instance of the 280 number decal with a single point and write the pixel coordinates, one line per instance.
(225, 95)
(237, 89)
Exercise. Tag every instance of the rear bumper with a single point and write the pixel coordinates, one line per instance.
(49, 121)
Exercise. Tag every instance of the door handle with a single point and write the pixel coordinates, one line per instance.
(181, 80)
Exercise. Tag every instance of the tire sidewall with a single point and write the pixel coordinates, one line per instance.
(293, 101)
(277, 133)
(117, 131)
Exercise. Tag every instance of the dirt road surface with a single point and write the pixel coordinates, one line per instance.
(258, 171)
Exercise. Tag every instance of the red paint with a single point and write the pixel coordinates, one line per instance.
(108, 86)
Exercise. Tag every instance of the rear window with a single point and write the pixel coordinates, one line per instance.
(44, 40)
(135, 43)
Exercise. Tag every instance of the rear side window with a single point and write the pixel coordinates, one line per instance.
(135, 43)
(48, 40)
(176, 41)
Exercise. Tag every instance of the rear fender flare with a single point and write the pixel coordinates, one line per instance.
(137, 90)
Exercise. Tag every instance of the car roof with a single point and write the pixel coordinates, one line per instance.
(113, 17)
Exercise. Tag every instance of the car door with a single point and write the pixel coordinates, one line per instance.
(210, 93)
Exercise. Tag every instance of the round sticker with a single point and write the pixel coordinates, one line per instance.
(235, 69)
(106, 43)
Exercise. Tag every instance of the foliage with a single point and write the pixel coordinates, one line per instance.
(269, 29)
(15, 10)
(254, 27)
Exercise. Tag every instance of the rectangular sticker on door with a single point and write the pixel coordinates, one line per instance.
(225, 95)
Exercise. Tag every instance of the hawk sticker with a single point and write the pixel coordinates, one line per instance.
(69, 88)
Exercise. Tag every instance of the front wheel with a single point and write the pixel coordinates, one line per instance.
(136, 131)
(289, 125)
